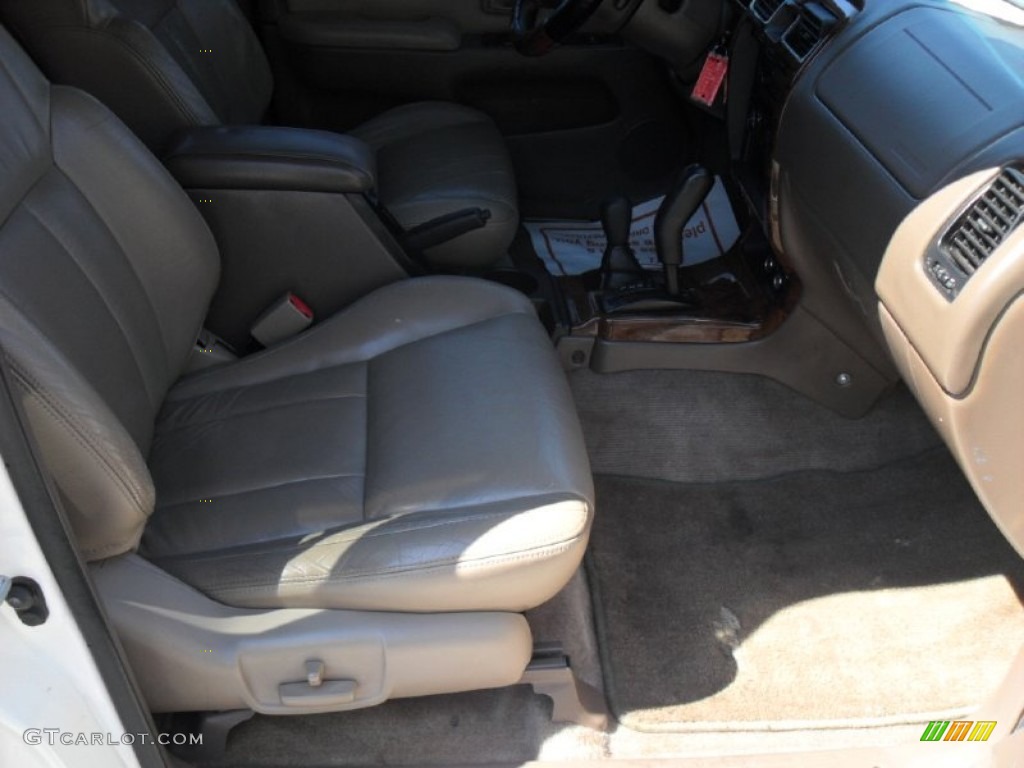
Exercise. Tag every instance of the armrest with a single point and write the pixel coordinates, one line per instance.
(329, 30)
(271, 158)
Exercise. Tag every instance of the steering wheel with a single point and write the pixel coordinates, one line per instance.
(535, 38)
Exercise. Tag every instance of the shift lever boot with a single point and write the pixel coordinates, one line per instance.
(619, 267)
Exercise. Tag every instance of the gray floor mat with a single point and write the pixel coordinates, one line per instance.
(811, 600)
(690, 426)
(509, 726)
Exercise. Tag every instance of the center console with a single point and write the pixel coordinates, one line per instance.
(746, 311)
(289, 210)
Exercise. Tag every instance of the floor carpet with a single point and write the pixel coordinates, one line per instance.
(731, 433)
(507, 726)
(696, 426)
(814, 599)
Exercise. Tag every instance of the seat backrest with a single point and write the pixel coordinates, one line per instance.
(106, 273)
(160, 65)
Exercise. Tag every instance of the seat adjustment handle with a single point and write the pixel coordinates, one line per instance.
(329, 693)
(315, 673)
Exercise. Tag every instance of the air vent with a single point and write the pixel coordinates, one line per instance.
(977, 233)
(765, 9)
(985, 225)
(808, 30)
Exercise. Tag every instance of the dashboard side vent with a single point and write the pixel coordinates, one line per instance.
(765, 9)
(983, 227)
(976, 233)
(808, 30)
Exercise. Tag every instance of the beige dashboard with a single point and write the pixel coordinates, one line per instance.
(964, 358)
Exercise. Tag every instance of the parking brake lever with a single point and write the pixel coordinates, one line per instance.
(682, 201)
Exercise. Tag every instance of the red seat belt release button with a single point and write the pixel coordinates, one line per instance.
(300, 305)
(286, 317)
(712, 76)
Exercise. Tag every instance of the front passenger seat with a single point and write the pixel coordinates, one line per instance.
(358, 513)
(163, 65)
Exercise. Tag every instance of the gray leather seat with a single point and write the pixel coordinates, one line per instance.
(402, 456)
(145, 60)
(418, 452)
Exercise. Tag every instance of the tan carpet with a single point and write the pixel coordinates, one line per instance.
(817, 599)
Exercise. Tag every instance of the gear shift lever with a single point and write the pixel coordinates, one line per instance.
(625, 286)
(619, 266)
(680, 204)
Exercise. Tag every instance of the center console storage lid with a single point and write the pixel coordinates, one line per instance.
(271, 158)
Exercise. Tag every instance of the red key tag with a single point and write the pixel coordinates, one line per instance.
(711, 78)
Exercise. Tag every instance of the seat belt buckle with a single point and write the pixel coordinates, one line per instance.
(210, 350)
(286, 317)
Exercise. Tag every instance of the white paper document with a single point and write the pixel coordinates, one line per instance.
(574, 247)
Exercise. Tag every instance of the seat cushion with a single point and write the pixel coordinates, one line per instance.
(417, 452)
(436, 158)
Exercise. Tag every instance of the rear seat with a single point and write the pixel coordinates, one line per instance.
(382, 495)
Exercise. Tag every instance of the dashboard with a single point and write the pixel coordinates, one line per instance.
(882, 146)
(905, 99)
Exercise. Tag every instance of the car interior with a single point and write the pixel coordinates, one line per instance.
(477, 382)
